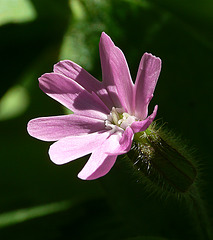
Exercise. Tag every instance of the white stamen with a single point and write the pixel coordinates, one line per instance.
(114, 115)
(118, 120)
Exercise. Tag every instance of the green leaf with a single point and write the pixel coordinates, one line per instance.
(16, 11)
(22, 215)
(14, 102)
(89, 19)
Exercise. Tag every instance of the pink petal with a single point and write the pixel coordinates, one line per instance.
(57, 127)
(104, 157)
(81, 76)
(71, 148)
(140, 126)
(116, 75)
(123, 145)
(147, 76)
(98, 165)
(72, 95)
(77, 73)
(100, 162)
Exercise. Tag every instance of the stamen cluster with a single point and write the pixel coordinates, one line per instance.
(118, 120)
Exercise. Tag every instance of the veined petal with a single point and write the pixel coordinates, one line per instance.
(86, 80)
(72, 95)
(77, 73)
(140, 126)
(147, 76)
(115, 74)
(73, 147)
(57, 127)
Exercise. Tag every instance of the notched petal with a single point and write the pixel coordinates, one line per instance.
(146, 80)
(115, 72)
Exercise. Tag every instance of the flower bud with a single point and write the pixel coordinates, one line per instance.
(161, 163)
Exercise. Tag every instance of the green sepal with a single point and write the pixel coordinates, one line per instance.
(161, 162)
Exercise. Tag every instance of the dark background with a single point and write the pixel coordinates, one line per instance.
(40, 200)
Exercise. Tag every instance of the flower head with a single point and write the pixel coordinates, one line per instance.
(106, 115)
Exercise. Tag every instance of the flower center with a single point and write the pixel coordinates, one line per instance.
(118, 120)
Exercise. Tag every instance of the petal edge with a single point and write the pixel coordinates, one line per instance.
(146, 80)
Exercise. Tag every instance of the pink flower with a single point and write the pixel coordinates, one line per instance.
(106, 114)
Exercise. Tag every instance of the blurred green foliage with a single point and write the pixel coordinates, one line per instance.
(36, 34)
(16, 11)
